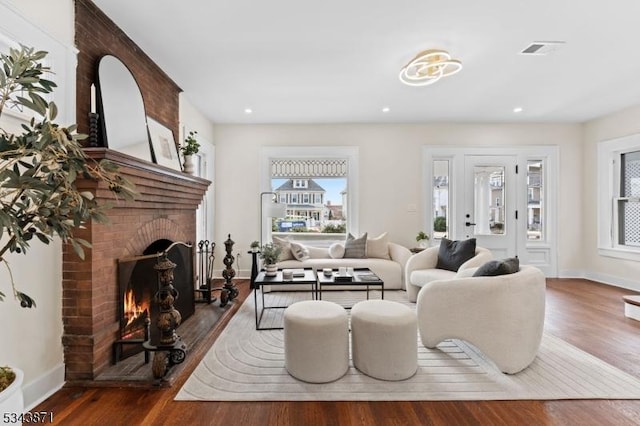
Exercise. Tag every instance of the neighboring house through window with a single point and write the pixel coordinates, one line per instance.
(318, 185)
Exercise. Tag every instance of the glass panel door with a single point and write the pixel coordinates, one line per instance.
(490, 204)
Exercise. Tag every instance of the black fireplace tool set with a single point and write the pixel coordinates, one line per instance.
(205, 282)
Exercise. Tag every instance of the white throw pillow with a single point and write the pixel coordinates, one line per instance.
(378, 247)
(336, 251)
(318, 252)
(299, 251)
(285, 245)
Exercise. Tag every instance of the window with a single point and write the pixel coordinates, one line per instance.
(440, 198)
(619, 197)
(320, 184)
(534, 200)
(312, 218)
(300, 183)
(627, 200)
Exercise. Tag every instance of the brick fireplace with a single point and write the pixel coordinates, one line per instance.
(165, 209)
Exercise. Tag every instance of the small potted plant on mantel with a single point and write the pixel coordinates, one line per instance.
(189, 148)
(255, 246)
(270, 254)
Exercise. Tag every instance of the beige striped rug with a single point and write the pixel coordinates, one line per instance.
(248, 365)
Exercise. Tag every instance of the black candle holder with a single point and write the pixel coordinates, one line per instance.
(93, 129)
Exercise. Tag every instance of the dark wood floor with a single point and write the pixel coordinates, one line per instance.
(586, 314)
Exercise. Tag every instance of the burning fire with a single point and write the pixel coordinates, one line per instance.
(133, 309)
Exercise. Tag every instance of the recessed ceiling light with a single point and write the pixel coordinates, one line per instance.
(248, 110)
(517, 109)
(386, 109)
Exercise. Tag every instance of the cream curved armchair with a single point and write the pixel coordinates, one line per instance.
(421, 269)
(503, 316)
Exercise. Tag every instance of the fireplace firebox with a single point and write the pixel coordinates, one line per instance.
(138, 284)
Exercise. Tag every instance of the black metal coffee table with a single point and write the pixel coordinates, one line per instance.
(361, 277)
(262, 280)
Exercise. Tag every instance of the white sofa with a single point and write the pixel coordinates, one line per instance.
(391, 271)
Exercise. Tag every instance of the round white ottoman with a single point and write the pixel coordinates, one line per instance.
(384, 339)
(316, 341)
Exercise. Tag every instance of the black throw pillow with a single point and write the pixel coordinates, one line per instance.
(452, 254)
(498, 267)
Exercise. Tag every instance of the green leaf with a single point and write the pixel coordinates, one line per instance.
(83, 242)
(25, 301)
(38, 100)
(32, 106)
(40, 54)
(27, 80)
(78, 249)
(42, 237)
(53, 111)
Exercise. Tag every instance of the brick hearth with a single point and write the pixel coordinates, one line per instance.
(165, 209)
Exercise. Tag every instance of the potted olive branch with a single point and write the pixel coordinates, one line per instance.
(39, 167)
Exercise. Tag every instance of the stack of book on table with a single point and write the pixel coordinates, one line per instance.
(295, 273)
(368, 276)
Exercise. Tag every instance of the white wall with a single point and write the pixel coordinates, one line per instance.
(31, 338)
(390, 173)
(55, 17)
(623, 273)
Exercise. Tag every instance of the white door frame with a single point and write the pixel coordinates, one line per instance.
(542, 254)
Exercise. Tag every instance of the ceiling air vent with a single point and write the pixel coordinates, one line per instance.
(541, 47)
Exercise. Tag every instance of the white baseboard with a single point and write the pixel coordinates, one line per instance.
(602, 278)
(242, 274)
(614, 281)
(570, 273)
(43, 387)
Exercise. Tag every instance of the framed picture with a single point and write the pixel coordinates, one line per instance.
(164, 145)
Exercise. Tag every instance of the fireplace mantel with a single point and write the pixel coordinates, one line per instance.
(164, 209)
(153, 182)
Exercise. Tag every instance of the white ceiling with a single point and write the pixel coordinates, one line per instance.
(337, 61)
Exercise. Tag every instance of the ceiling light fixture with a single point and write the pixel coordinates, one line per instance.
(517, 109)
(386, 109)
(248, 110)
(428, 67)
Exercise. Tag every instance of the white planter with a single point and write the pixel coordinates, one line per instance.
(11, 400)
(271, 270)
(423, 243)
(188, 164)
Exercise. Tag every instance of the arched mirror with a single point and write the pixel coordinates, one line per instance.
(122, 110)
